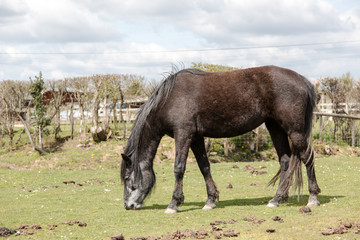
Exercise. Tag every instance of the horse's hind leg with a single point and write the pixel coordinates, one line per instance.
(198, 148)
(281, 144)
(314, 189)
(303, 149)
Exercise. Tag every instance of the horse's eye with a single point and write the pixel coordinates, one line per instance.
(133, 188)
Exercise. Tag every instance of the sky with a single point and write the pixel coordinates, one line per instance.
(316, 38)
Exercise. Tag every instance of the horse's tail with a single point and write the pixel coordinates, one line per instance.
(295, 160)
(295, 167)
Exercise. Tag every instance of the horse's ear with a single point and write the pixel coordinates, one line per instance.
(126, 159)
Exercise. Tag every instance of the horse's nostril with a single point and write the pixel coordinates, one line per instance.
(129, 207)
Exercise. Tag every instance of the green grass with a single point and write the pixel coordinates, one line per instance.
(99, 201)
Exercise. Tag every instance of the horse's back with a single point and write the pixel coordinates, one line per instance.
(234, 102)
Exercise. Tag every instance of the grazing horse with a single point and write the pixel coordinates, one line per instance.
(192, 104)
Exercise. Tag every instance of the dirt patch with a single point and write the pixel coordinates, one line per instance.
(216, 232)
(256, 184)
(5, 232)
(305, 209)
(254, 170)
(278, 219)
(27, 229)
(254, 220)
(11, 166)
(343, 228)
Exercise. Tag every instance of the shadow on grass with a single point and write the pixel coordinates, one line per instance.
(57, 145)
(292, 201)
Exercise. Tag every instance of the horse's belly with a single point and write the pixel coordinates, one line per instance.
(218, 128)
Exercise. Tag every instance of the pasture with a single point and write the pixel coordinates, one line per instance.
(89, 204)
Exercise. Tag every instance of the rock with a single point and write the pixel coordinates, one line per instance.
(270, 230)
(36, 226)
(217, 235)
(69, 182)
(230, 233)
(305, 209)
(117, 237)
(5, 232)
(82, 224)
(232, 221)
(229, 186)
(254, 220)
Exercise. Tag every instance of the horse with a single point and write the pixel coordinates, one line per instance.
(191, 104)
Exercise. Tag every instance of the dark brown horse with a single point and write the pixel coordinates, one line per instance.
(191, 104)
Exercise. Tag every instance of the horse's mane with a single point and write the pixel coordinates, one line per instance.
(157, 100)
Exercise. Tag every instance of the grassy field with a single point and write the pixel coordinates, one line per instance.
(33, 192)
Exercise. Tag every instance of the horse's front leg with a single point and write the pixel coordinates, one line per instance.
(198, 148)
(182, 145)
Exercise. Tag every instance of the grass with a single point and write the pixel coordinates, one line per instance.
(29, 197)
(32, 192)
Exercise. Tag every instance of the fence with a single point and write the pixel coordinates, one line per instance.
(337, 128)
(327, 128)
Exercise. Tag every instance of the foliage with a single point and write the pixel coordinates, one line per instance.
(338, 89)
(36, 89)
(212, 67)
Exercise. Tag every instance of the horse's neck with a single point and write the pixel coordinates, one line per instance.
(150, 140)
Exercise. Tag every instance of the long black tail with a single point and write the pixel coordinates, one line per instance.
(295, 167)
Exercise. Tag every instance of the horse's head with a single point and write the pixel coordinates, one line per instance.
(138, 181)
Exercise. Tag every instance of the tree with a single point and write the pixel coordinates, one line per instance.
(57, 89)
(134, 85)
(9, 108)
(337, 89)
(212, 67)
(81, 92)
(42, 121)
(114, 84)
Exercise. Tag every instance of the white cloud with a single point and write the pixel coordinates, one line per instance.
(135, 36)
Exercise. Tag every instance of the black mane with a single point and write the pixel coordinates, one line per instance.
(157, 99)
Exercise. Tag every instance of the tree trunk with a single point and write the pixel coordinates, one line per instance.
(106, 115)
(71, 118)
(98, 134)
(57, 127)
(40, 138)
(115, 121)
(95, 113)
(40, 150)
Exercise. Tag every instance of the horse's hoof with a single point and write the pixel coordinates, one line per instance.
(171, 211)
(272, 204)
(313, 203)
(209, 206)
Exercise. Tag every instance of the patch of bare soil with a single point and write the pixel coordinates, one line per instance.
(5, 232)
(27, 229)
(254, 220)
(11, 166)
(278, 219)
(254, 170)
(216, 232)
(343, 228)
(305, 209)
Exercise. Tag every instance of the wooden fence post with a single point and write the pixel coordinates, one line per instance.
(321, 128)
(352, 133)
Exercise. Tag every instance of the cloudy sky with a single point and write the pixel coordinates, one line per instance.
(75, 38)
